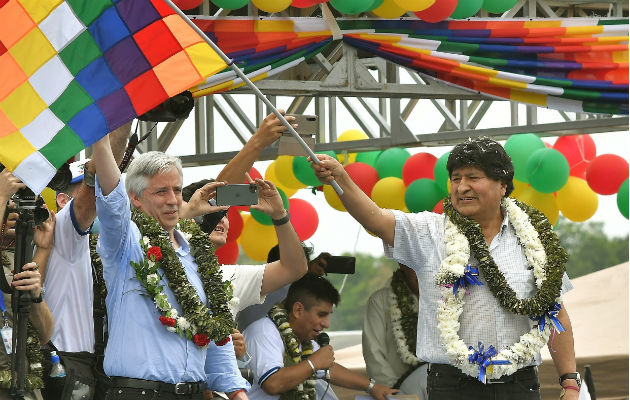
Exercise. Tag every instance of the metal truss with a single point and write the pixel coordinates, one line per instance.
(380, 96)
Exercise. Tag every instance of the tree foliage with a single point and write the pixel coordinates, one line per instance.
(589, 248)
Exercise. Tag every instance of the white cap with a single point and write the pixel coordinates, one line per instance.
(76, 168)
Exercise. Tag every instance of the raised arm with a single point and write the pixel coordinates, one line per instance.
(269, 131)
(105, 165)
(563, 353)
(84, 201)
(292, 263)
(380, 222)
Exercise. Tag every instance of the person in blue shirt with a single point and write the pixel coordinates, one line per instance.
(143, 352)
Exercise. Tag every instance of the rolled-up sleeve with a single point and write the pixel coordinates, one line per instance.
(114, 215)
(222, 373)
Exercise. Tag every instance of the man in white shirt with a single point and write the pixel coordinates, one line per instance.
(389, 335)
(287, 362)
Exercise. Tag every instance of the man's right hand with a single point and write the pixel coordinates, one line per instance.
(324, 358)
(271, 129)
(328, 168)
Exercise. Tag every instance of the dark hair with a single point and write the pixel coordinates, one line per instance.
(485, 154)
(274, 253)
(310, 290)
(189, 190)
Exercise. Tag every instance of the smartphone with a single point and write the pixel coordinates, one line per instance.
(340, 264)
(307, 128)
(241, 194)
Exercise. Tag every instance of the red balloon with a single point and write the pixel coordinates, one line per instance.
(576, 149)
(236, 224)
(418, 166)
(187, 4)
(364, 175)
(579, 169)
(439, 207)
(439, 11)
(254, 174)
(227, 254)
(548, 145)
(606, 173)
(303, 218)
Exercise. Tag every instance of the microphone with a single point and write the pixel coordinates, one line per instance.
(324, 340)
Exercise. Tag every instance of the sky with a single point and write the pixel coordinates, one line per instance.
(338, 232)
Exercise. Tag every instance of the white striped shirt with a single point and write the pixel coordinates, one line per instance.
(419, 244)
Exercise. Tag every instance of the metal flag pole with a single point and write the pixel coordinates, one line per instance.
(251, 85)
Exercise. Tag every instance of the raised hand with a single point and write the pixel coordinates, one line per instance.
(198, 204)
(271, 129)
(269, 200)
(327, 169)
(9, 184)
(44, 234)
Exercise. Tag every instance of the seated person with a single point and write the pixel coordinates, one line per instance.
(389, 335)
(286, 360)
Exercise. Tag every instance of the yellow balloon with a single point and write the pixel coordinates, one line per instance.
(257, 239)
(389, 9)
(414, 5)
(544, 202)
(390, 193)
(270, 175)
(350, 134)
(333, 199)
(518, 188)
(283, 171)
(50, 198)
(272, 6)
(576, 200)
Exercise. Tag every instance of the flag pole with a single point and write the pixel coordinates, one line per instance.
(253, 87)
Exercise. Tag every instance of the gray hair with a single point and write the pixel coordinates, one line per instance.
(147, 165)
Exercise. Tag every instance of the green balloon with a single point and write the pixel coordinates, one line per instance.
(547, 170)
(350, 6)
(440, 173)
(622, 199)
(498, 6)
(466, 8)
(391, 161)
(304, 173)
(368, 157)
(263, 218)
(230, 4)
(519, 148)
(422, 195)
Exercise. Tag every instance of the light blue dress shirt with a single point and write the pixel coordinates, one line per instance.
(139, 346)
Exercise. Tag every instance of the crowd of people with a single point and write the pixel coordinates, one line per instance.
(141, 310)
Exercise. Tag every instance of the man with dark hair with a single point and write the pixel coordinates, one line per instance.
(287, 362)
(490, 272)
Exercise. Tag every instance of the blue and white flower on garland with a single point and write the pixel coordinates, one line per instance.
(451, 306)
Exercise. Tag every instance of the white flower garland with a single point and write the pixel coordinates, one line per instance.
(451, 306)
(399, 334)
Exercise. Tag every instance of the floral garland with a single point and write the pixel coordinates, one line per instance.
(404, 317)
(292, 354)
(34, 377)
(542, 251)
(198, 323)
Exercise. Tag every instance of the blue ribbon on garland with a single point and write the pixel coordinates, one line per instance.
(482, 358)
(469, 278)
(552, 314)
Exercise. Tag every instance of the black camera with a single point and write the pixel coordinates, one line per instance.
(172, 109)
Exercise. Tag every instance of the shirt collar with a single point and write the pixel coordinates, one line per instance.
(184, 247)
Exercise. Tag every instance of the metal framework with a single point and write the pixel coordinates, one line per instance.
(343, 77)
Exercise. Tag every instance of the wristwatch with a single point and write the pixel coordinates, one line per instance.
(370, 386)
(88, 178)
(283, 220)
(571, 375)
(39, 299)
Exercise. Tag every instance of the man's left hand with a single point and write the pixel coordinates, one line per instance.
(29, 279)
(45, 233)
(379, 392)
(240, 348)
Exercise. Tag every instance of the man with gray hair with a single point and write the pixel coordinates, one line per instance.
(166, 300)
